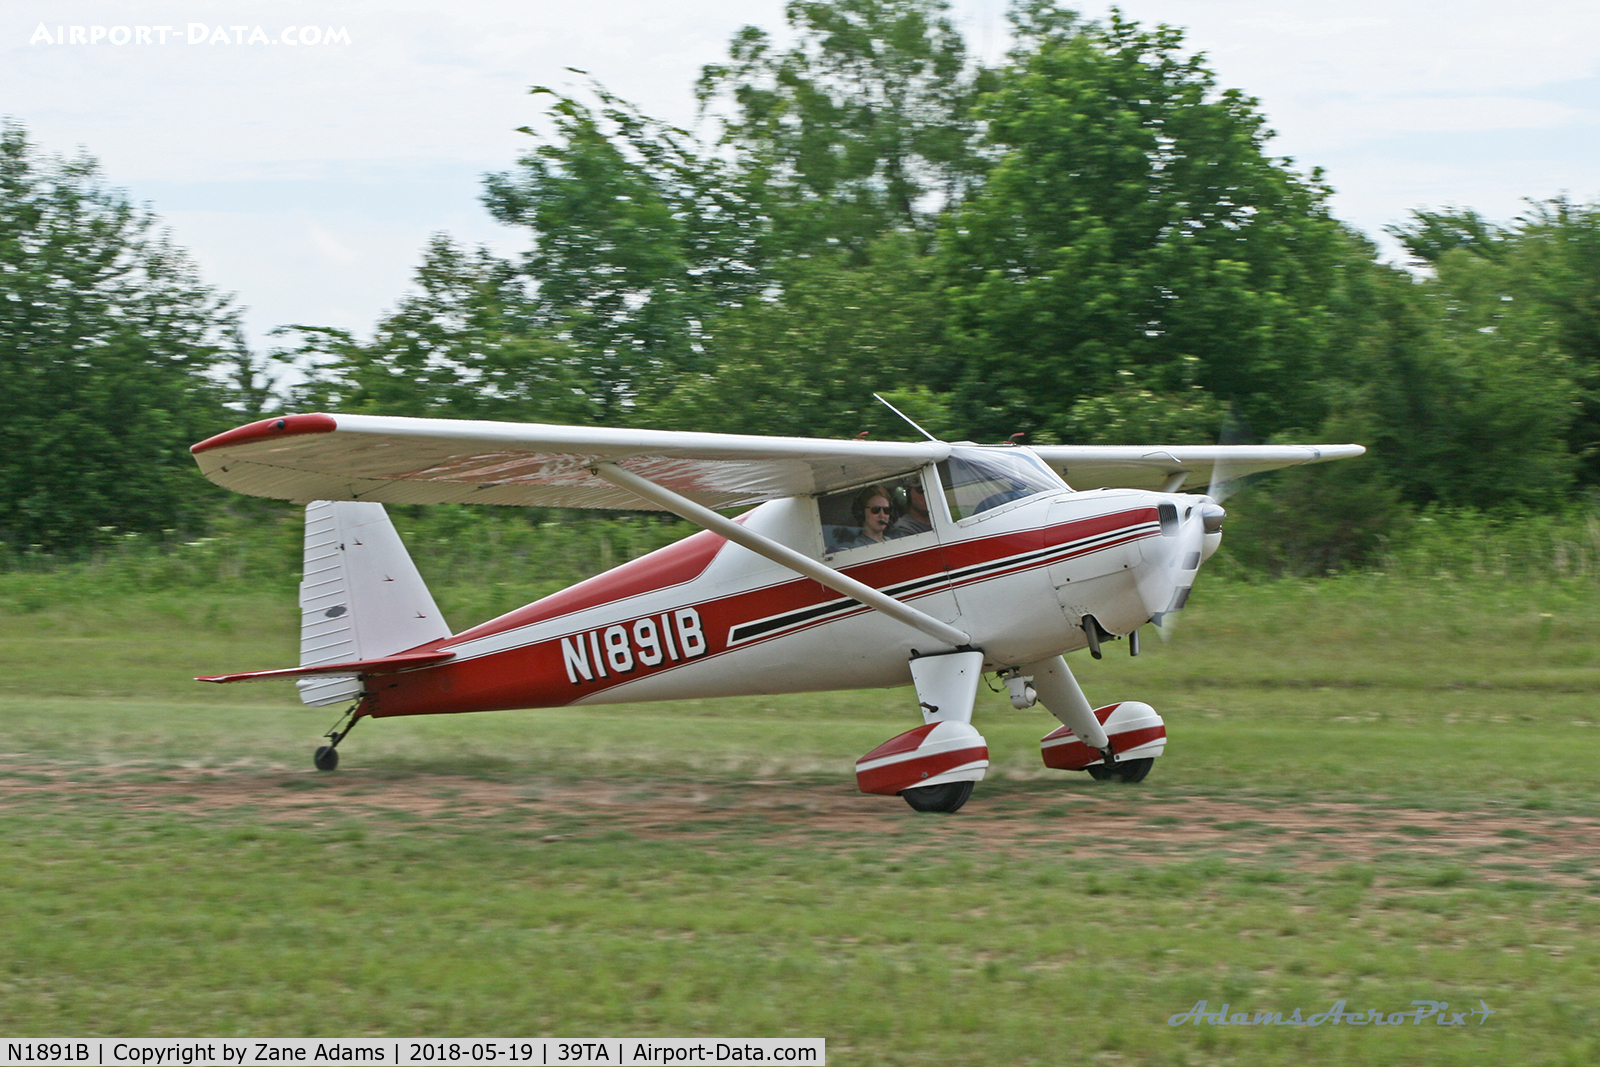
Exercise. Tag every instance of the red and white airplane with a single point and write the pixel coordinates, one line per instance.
(863, 564)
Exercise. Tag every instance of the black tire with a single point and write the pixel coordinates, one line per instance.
(1128, 770)
(1135, 770)
(944, 798)
(326, 758)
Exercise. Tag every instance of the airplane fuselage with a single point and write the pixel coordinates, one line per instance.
(705, 617)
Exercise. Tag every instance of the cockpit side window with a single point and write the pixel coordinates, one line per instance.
(874, 514)
(979, 480)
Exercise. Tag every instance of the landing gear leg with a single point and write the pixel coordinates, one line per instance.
(933, 767)
(1058, 690)
(946, 688)
(326, 758)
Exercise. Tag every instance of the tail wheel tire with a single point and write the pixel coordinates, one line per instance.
(944, 798)
(326, 758)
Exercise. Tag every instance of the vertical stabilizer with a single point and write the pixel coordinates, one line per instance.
(360, 596)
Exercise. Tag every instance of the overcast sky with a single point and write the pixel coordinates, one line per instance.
(305, 177)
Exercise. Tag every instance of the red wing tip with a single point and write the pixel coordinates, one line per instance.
(267, 429)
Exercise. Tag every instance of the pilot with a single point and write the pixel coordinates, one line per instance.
(873, 512)
(915, 520)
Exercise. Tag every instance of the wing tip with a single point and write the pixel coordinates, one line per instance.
(266, 430)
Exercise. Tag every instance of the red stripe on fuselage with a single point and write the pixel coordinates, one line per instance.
(682, 561)
(534, 675)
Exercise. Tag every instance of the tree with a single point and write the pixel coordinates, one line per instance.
(1556, 257)
(861, 127)
(1465, 397)
(1318, 519)
(1519, 307)
(639, 235)
(1431, 234)
(806, 359)
(1134, 222)
(108, 342)
(462, 346)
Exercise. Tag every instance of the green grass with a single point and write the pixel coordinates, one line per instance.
(1376, 790)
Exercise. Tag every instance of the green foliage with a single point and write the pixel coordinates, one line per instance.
(806, 359)
(256, 547)
(1557, 258)
(1134, 222)
(1530, 293)
(1461, 543)
(850, 131)
(1129, 412)
(1432, 234)
(107, 346)
(464, 346)
(1468, 396)
(638, 235)
(1315, 520)
(486, 560)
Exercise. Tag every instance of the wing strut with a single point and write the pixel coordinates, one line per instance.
(782, 555)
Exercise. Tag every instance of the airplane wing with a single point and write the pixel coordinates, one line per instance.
(1152, 467)
(396, 460)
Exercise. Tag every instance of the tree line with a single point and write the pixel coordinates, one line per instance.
(1089, 241)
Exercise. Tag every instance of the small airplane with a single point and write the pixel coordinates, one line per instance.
(861, 564)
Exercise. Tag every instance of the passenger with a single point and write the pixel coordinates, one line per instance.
(915, 520)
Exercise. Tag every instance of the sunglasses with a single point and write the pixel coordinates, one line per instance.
(879, 511)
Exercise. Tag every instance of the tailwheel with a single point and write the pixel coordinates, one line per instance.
(944, 798)
(326, 757)
(1128, 770)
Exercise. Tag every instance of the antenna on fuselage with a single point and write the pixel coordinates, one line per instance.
(903, 415)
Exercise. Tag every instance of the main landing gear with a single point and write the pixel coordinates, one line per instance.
(934, 767)
(326, 758)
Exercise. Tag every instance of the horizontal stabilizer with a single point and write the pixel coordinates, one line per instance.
(384, 665)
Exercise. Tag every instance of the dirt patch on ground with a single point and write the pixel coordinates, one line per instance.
(1134, 823)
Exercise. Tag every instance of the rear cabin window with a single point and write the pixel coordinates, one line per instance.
(976, 480)
(873, 514)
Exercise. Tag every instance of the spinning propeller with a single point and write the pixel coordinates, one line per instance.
(1199, 531)
(1199, 528)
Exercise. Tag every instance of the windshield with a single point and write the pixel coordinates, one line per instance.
(976, 480)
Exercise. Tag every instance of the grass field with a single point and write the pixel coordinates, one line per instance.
(1376, 791)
